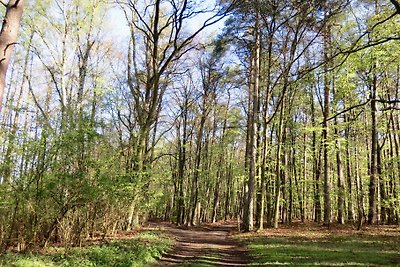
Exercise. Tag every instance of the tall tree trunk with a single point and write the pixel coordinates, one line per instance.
(229, 191)
(372, 214)
(8, 38)
(254, 91)
(283, 174)
(327, 183)
(198, 157)
(350, 207)
(302, 197)
(8, 158)
(180, 207)
(382, 186)
(359, 191)
(221, 171)
(340, 178)
(395, 155)
(316, 165)
(278, 180)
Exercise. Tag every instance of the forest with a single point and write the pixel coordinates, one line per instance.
(263, 112)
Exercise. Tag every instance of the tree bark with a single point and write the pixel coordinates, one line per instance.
(350, 207)
(278, 173)
(372, 214)
(316, 166)
(8, 38)
(327, 185)
(253, 92)
(340, 178)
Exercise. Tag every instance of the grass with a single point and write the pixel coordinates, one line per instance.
(324, 249)
(139, 250)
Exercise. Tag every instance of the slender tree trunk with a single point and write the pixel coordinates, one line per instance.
(316, 166)
(327, 90)
(270, 183)
(199, 147)
(222, 162)
(395, 154)
(372, 214)
(180, 212)
(302, 197)
(283, 175)
(359, 190)
(278, 179)
(350, 207)
(382, 187)
(254, 91)
(340, 178)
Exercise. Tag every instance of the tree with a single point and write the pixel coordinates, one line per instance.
(8, 38)
(327, 90)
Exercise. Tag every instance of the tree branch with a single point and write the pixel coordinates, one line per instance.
(390, 108)
(387, 101)
(347, 110)
(396, 5)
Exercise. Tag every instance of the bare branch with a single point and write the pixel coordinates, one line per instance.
(390, 108)
(348, 109)
(395, 101)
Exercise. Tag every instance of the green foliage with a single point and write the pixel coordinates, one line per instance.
(139, 251)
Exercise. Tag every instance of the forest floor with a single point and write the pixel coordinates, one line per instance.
(311, 244)
(206, 245)
(220, 244)
(298, 244)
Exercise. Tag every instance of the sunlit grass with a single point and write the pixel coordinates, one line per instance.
(325, 251)
(140, 250)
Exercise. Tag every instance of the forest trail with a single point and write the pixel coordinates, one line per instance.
(208, 245)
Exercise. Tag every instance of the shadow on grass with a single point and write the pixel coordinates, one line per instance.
(325, 251)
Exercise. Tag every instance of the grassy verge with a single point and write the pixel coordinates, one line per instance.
(139, 250)
(334, 249)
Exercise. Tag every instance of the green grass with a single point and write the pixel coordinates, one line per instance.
(350, 250)
(138, 251)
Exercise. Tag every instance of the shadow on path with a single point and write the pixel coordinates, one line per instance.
(208, 245)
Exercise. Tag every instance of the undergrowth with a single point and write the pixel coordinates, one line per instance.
(139, 250)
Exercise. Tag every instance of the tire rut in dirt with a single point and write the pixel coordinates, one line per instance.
(206, 246)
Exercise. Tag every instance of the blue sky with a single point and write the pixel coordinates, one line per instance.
(119, 30)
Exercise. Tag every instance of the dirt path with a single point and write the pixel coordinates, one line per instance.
(208, 245)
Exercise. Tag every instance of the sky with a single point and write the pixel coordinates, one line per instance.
(119, 31)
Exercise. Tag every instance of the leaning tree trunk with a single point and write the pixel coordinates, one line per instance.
(8, 38)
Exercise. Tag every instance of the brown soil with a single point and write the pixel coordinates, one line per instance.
(208, 245)
(314, 230)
